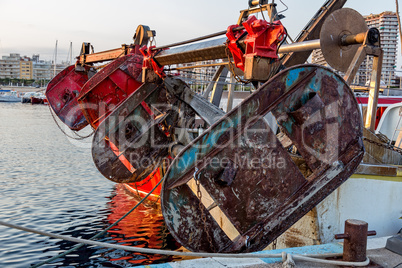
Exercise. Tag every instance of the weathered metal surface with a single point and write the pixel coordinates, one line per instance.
(237, 174)
(206, 110)
(377, 170)
(110, 87)
(62, 94)
(355, 240)
(131, 143)
(305, 232)
(216, 85)
(345, 21)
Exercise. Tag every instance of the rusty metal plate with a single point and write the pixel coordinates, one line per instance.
(130, 143)
(236, 188)
(341, 22)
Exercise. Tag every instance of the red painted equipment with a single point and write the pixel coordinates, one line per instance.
(62, 94)
(140, 124)
(262, 40)
(110, 87)
(150, 62)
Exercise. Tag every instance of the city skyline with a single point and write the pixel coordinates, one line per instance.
(31, 28)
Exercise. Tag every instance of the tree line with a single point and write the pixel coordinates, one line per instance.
(22, 82)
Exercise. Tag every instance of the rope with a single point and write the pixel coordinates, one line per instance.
(79, 137)
(286, 257)
(95, 236)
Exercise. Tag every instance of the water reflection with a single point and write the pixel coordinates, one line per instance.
(49, 183)
(142, 228)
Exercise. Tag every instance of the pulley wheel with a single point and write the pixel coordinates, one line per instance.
(341, 22)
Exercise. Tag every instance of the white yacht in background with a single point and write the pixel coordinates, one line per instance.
(9, 96)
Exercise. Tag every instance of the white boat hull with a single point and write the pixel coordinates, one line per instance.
(376, 200)
(9, 99)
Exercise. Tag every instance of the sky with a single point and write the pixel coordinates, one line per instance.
(32, 27)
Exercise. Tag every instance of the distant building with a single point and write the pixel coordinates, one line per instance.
(10, 66)
(199, 77)
(17, 67)
(318, 58)
(42, 70)
(26, 68)
(387, 24)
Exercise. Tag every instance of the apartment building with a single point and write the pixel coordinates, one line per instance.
(41, 69)
(25, 68)
(10, 66)
(387, 23)
(15, 66)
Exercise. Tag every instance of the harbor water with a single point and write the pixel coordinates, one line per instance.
(49, 182)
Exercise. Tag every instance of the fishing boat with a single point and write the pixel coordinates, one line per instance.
(9, 96)
(26, 97)
(150, 125)
(38, 98)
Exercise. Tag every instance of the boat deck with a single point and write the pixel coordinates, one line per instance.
(376, 252)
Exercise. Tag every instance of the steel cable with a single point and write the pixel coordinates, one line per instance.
(286, 257)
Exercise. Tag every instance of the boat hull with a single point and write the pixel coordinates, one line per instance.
(26, 100)
(375, 199)
(10, 99)
(35, 100)
(10, 96)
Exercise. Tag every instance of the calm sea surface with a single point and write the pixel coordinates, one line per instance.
(49, 182)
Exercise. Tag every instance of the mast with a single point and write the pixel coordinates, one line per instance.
(71, 52)
(55, 59)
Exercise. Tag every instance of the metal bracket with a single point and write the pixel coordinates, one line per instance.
(206, 110)
(370, 46)
(150, 61)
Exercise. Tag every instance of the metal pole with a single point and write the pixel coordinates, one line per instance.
(300, 46)
(374, 92)
(354, 66)
(216, 49)
(197, 39)
(231, 93)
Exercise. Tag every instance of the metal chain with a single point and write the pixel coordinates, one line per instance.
(384, 145)
(232, 68)
(274, 244)
(202, 208)
(274, 67)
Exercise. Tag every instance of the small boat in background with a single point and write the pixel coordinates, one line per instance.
(38, 98)
(9, 96)
(26, 98)
(34, 98)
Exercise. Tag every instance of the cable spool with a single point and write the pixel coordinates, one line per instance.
(255, 3)
(343, 26)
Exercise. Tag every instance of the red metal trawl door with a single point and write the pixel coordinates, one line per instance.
(236, 187)
(62, 93)
(130, 143)
(110, 87)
